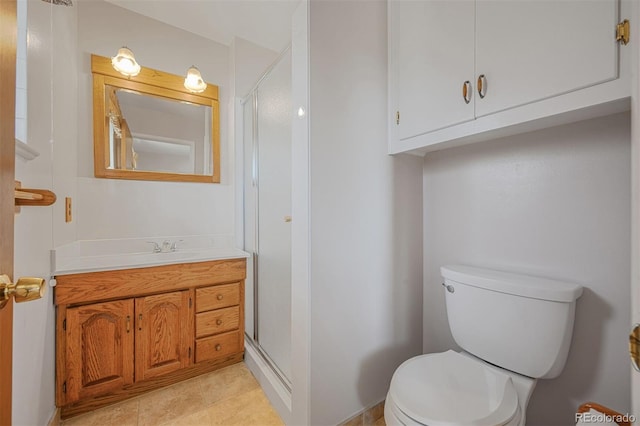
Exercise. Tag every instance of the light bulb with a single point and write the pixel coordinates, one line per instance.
(125, 63)
(193, 81)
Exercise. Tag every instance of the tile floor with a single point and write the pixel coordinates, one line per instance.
(374, 416)
(230, 396)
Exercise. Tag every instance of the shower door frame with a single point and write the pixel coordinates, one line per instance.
(253, 97)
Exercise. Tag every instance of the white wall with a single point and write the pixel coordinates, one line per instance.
(300, 228)
(21, 71)
(366, 217)
(553, 203)
(250, 63)
(635, 213)
(52, 33)
(108, 208)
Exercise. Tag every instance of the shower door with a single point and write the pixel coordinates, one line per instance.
(267, 152)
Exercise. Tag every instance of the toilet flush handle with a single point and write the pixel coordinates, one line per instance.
(449, 288)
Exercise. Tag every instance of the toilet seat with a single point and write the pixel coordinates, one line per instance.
(448, 388)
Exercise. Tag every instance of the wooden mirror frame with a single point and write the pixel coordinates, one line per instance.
(155, 83)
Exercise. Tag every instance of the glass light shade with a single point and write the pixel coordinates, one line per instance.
(125, 63)
(194, 82)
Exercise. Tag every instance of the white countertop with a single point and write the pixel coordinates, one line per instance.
(81, 257)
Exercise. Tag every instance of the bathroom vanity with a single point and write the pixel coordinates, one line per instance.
(123, 332)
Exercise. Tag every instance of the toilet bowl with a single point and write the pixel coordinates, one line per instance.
(514, 330)
(451, 388)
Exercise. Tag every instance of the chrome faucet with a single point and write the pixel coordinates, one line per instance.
(166, 246)
(156, 247)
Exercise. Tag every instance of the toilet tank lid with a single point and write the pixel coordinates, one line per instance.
(515, 284)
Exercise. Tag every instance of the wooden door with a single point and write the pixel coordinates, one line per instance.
(530, 50)
(432, 55)
(8, 34)
(163, 334)
(100, 349)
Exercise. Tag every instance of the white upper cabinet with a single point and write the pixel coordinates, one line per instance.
(432, 75)
(532, 50)
(525, 65)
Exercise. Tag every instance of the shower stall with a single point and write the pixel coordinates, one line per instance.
(266, 136)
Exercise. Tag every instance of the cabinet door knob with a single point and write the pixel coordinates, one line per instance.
(466, 91)
(220, 297)
(219, 321)
(482, 85)
(218, 347)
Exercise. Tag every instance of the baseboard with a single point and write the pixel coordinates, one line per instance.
(279, 396)
(55, 418)
(367, 417)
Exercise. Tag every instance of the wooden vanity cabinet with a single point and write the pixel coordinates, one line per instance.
(121, 333)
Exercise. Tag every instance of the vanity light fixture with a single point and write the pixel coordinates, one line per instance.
(125, 63)
(194, 82)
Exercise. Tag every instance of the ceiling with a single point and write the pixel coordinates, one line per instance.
(263, 22)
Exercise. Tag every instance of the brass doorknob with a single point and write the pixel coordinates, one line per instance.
(24, 290)
(634, 346)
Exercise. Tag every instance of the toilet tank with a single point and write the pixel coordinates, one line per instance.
(517, 322)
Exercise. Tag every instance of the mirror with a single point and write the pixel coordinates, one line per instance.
(149, 127)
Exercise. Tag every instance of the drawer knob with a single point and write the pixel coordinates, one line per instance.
(220, 297)
(218, 347)
(219, 321)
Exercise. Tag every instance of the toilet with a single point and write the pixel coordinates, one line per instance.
(513, 330)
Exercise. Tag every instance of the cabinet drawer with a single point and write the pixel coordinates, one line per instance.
(219, 346)
(218, 321)
(216, 297)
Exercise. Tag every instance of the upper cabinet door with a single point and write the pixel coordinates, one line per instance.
(432, 49)
(529, 50)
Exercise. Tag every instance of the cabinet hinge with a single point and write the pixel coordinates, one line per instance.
(64, 324)
(398, 117)
(622, 32)
(64, 387)
(189, 302)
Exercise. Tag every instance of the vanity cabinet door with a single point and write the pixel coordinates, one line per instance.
(163, 334)
(99, 356)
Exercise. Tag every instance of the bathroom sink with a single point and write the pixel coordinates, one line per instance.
(165, 256)
(140, 260)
